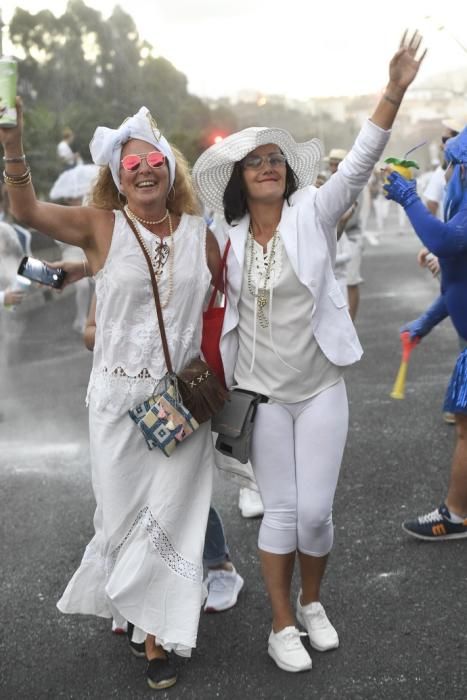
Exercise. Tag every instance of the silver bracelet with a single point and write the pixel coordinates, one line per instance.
(16, 159)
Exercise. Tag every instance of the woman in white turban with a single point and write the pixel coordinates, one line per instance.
(144, 563)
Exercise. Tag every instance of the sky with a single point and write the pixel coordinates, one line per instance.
(296, 48)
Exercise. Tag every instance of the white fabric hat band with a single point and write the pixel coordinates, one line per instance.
(106, 144)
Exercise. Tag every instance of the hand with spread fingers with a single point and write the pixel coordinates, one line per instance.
(405, 65)
(403, 69)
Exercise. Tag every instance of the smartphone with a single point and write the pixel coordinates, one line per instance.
(39, 271)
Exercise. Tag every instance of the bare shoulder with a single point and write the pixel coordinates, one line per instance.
(101, 226)
(211, 240)
(212, 253)
(100, 217)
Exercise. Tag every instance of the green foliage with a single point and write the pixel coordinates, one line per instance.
(403, 163)
(79, 71)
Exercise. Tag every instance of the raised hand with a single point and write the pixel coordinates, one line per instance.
(405, 65)
(11, 137)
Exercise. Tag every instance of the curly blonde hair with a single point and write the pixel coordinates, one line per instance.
(181, 198)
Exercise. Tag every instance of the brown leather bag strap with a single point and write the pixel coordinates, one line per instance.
(160, 318)
(222, 269)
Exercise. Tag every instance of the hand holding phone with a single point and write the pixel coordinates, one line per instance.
(39, 271)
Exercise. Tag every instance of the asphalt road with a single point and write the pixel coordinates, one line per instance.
(398, 603)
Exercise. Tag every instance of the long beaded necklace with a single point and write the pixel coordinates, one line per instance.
(163, 252)
(147, 222)
(262, 294)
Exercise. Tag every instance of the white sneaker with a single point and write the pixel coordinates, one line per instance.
(250, 503)
(223, 589)
(119, 625)
(322, 634)
(287, 650)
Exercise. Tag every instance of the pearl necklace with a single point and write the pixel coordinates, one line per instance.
(147, 222)
(162, 253)
(261, 295)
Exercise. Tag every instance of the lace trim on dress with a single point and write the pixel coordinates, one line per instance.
(119, 391)
(120, 372)
(161, 543)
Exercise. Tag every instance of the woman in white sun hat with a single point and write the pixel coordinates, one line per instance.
(287, 334)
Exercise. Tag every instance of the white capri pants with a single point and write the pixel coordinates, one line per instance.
(296, 456)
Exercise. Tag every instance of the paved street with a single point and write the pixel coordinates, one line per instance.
(398, 604)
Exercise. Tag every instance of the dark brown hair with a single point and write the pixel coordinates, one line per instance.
(234, 200)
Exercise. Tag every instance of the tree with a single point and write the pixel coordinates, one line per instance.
(79, 70)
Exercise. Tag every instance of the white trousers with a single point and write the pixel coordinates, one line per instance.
(296, 456)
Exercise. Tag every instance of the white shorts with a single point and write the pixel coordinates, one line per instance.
(353, 266)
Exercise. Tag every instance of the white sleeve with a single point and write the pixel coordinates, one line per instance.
(342, 189)
(434, 191)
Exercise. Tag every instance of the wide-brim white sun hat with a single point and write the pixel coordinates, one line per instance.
(213, 169)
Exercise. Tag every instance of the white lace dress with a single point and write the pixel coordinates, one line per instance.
(145, 561)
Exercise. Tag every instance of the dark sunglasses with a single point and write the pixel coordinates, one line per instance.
(275, 160)
(132, 161)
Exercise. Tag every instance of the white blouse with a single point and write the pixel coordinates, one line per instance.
(128, 358)
(278, 355)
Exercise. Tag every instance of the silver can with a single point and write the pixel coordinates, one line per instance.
(8, 76)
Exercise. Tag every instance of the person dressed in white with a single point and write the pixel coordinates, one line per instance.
(287, 334)
(82, 288)
(144, 563)
(65, 154)
(249, 499)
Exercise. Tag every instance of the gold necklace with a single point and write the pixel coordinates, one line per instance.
(147, 222)
(261, 295)
(158, 258)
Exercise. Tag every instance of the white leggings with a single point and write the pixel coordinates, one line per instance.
(296, 456)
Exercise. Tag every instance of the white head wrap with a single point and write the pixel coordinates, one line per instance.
(106, 144)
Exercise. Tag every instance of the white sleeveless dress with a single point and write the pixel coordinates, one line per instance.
(145, 561)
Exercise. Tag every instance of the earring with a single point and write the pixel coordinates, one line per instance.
(171, 198)
(121, 199)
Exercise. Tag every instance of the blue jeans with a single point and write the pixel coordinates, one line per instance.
(216, 551)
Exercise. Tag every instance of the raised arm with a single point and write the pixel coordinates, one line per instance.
(337, 194)
(74, 225)
(403, 69)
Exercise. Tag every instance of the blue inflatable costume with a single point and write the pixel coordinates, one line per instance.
(447, 240)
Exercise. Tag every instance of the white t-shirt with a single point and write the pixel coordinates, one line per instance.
(282, 359)
(65, 153)
(434, 191)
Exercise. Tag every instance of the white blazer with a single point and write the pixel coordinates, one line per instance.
(308, 232)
